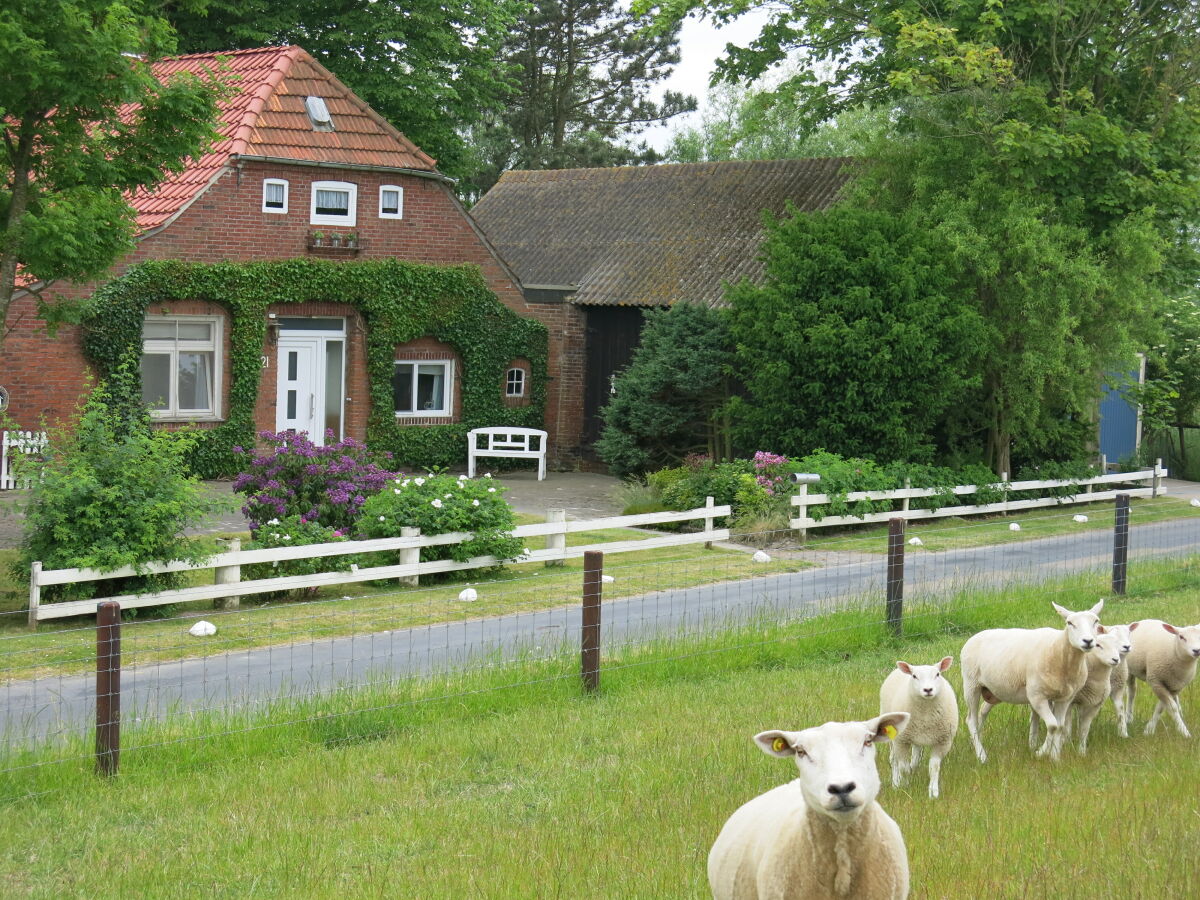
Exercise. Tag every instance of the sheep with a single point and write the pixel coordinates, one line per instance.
(1164, 657)
(1101, 661)
(1119, 675)
(1043, 667)
(822, 835)
(929, 698)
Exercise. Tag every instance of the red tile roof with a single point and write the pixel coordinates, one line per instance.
(265, 117)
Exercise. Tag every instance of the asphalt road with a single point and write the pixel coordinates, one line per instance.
(43, 708)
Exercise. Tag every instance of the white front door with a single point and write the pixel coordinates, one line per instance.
(300, 403)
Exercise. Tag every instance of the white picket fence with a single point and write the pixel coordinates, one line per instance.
(227, 566)
(901, 497)
(12, 443)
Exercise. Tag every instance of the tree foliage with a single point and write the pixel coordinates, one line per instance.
(856, 341)
(584, 74)
(432, 69)
(667, 401)
(71, 145)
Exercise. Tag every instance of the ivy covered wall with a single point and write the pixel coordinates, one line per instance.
(399, 302)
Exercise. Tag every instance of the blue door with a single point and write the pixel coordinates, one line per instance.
(1120, 421)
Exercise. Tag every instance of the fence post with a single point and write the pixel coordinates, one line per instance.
(895, 575)
(108, 687)
(708, 521)
(1004, 493)
(228, 575)
(35, 592)
(410, 556)
(593, 572)
(1157, 482)
(904, 502)
(1120, 544)
(556, 541)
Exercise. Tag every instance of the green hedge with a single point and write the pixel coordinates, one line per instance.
(399, 301)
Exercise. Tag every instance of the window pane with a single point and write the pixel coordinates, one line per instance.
(195, 381)
(516, 383)
(274, 195)
(402, 385)
(156, 379)
(293, 364)
(333, 387)
(152, 330)
(195, 331)
(291, 405)
(333, 203)
(389, 202)
(431, 387)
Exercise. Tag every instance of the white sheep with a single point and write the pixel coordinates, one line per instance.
(822, 835)
(929, 698)
(1104, 657)
(1119, 675)
(1041, 667)
(1164, 657)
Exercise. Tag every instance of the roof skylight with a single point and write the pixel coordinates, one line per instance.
(318, 113)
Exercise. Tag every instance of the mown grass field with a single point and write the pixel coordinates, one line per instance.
(510, 783)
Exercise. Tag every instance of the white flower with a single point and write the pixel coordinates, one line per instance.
(405, 483)
(272, 521)
(1014, 527)
(437, 504)
(418, 481)
(395, 490)
(275, 536)
(447, 496)
(476, 503)
(287, 537)
(398, 482)
(462, 477)
(527, 551)
(760, 556)
(1079, 518)
(382, 518)
(491, 490)
(353, 568)
(915, 542)
(487, 474)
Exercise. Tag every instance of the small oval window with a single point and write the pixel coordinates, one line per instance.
(514, 383)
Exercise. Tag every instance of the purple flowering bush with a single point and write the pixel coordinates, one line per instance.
(294, 477)
(440, 504)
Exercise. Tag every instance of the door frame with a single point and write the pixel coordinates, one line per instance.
(318, 339)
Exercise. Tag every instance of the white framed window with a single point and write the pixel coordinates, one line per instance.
(423, 388)
(334, 203)
(391, 202)
(181, 363)
(275, 195)
(514, 383)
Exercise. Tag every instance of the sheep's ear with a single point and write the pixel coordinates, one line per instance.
(1100, 629)
(1170, 628)
(1134, 626)
(903, 667)
(946, 663)
(1061, 610)
(888, 726)
(777, 743)
(1095, 610)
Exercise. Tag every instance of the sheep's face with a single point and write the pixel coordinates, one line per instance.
(1107, 650)
(1189, 639)
(1124, 638)
(836, 761)
(1081, 626)
(926, 682)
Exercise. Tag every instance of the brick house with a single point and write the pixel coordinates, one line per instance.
(300, 158)
(610, 243)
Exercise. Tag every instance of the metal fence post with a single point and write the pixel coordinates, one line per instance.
(108, 687)
(410, 556)
(228, 575)
(1120, 544)
(895, 574)
(557, 541)
(593, 571)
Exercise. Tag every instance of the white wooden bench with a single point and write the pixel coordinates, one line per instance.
(508, 442)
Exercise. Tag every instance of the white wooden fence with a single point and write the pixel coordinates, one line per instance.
(12, 443)
(902, 496)
(227, 566)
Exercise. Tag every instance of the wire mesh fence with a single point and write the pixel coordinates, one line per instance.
(85, 696)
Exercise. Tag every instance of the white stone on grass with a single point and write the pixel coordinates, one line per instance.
(468, 595)
(1078, 518)
(607, 579)
(760, 556)
(203, 628)
(915, 542)
(1014, 527)
(1195, 501)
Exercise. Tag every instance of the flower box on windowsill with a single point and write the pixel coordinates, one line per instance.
(336, 243)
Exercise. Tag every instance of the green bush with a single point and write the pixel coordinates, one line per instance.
(112, 493)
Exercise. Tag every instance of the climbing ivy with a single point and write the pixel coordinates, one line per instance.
(399, 302)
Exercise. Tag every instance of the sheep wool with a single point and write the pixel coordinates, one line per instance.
(929, 699)
(1164, 656)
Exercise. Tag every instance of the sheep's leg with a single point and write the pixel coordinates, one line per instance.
(1046, 710)
(1086, 717)
(972, 696)
(935, 768)
(1118, 699)
(1152, 725)
(1035, 724)
(897, 753)
(1130, 696)
(1177, 713)
(913, 760)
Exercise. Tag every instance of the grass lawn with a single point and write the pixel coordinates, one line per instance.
(68, 646)
(509, 783)
(954, 532)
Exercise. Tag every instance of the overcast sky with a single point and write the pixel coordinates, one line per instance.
(700, 43)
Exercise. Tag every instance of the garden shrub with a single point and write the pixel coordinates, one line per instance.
(114, 492)
(441, 504)
(293, 478)
(295, 531)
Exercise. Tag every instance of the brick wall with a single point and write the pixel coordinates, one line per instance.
(46, 376)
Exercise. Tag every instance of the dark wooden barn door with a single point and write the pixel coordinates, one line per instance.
(613, 333)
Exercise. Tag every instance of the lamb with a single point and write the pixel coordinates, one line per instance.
(1043, 667)
(1104, 658)
(929, 698)
(822, 835)
(1164, 657)
(1119, 675)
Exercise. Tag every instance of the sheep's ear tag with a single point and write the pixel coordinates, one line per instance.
(890, 731)
(779, 745)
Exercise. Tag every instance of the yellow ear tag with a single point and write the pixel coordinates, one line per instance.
(890, 731)
(779, 745)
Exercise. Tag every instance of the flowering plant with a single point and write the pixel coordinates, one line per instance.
(295, 477)
(771, 471)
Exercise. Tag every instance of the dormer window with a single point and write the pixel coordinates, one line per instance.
(275, 195)
(334, 203)
(391, 202)
(318, 113)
